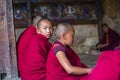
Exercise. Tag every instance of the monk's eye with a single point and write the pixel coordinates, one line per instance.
(45, 28)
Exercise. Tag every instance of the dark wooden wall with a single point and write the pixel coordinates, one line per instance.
(8, 62)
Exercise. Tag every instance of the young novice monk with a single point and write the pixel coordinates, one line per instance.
(63, 63)
(36, 55)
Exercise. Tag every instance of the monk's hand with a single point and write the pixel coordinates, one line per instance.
(100, 45)
(89, 70)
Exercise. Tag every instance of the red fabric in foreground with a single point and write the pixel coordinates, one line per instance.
(107, 67)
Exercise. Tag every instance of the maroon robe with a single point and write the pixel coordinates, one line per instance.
(113, 40)
(107, 67)
(54, 69)
(23, 43)
(117, 48)
(34, 67)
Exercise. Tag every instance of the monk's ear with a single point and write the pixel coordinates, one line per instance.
(37, 31)
(64, 35)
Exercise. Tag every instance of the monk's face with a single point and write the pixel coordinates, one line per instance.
(69, 37)
(105, 29)
(45, 28)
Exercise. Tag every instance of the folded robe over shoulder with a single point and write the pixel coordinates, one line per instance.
(34, 65)
(23, 43)
(107, 67)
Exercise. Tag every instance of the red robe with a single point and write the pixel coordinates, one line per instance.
(23, 43)
(35, 59)
(54, 69)
(107, 67)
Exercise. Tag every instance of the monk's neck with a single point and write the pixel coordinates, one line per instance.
(61, 41)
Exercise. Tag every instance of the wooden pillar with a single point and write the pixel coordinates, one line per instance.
(99, 15)
(117, 5)
(109, 8)
(29, 11)
(8, 62)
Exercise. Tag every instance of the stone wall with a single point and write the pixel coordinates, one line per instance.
(86, 37)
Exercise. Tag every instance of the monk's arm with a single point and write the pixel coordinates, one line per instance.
(70, 69)
(103, 45)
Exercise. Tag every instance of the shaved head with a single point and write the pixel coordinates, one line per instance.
(36, 19)
(63, 28)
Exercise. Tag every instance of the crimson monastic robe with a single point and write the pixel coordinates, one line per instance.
(54, 69)
(107, 67)
(23, 43)
(34, 67)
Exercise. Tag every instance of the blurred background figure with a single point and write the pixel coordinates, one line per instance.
(110, 39)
